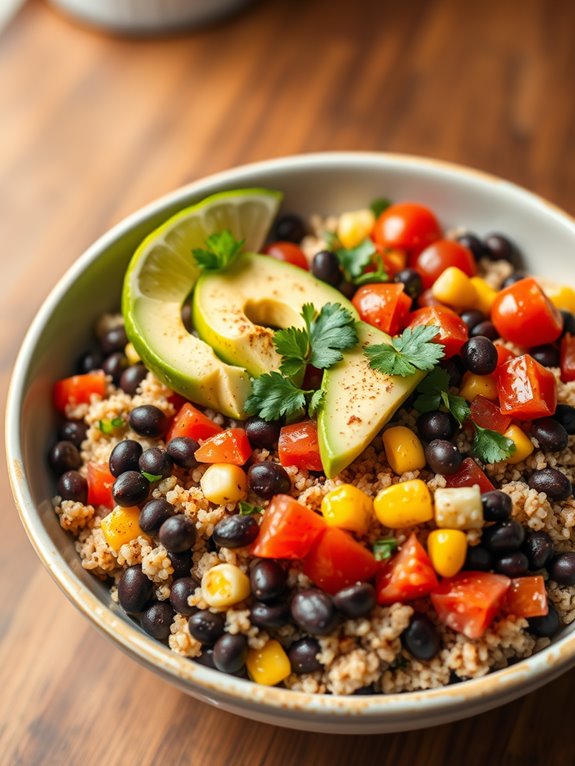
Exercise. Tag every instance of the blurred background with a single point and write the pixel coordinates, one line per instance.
(93, 124)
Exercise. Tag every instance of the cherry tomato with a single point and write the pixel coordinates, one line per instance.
(453, 331)
(288, 530)
(427, 298)
(439, 256)
(384, 306)
(527, 597)
(568, 358)
(407, 576)
(230, 446)
(336, 560)
(468, 602)
(100, 482)
(523, 314)
(288, 252)
(190, 422)
(78, 389)
(468, 475)
(406, 226)
(503, 355)
(488, 415)
(527, 390)
(298, 445)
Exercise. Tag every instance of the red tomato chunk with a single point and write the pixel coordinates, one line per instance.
(336, 560)
(78, 389)
(384, 306)
(288, 252)
(231, 446)
(568, 358)
(468, 602)
(527, 390)
(406, 226)
(192, 423)
(468, 475)
(407, 576)
(100, 482)
(486, 414)
(523, 314)
(452, 331)
(527, 597)
(298, 445)
(442, 255)
(288, 530)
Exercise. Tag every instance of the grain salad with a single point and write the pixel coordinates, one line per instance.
(344, 465)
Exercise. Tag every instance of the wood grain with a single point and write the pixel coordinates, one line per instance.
(91, 128)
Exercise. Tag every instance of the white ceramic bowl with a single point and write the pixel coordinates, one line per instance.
(314, 183)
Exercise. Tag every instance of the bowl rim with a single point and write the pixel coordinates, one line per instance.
(499, 686)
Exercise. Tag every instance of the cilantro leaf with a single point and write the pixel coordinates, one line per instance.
(354, 260)
(316, 402)
(331, 333)
(274, 396)
(379, 205)
(384, 548)
(109, 426)
(247, 509)
(308, 313)
(412, 350)
(434, 392)
(458, 407)
(490, 446)
(331, 240)
(293, 345)
(220, 249)
(151, 477)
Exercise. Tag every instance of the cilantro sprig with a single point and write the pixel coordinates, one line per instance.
(247, 509)
(219, 251)
(275, 396)
(379, 205)
(412, 350)
(355, 260)
(109, 426)
(490, 446)
(383, 549)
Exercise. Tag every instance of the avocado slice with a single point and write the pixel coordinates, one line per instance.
(358, 401)
(234, 311)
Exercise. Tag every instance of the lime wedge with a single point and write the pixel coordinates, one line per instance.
(162, 274)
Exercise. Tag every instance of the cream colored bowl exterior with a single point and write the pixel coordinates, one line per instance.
(324, 183)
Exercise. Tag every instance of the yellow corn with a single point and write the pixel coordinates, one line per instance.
(478, 385)
(403, 450)
(523, 444)
(485, 295)
(347, 507)
(131, 354)
(224, 483)
(455, 288)
(354, 227)
(269, 665)
(404, 504)
(561, 296)
(458, 508)
(447, 549)
(121, 526)
(397, 259)
(225, 585)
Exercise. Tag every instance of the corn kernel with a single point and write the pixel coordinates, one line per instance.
(404, 505)
(120, 526)
(454, 288)
(561, 296)
(347, 507)
(447, 549)
(396, 260)
(485, 295)
(354, 227)
(403, 450)
(523, 444)
(459, 508)
(131, 354)
(224, 483)
(224, 585)
(479, 385)
(269, 665)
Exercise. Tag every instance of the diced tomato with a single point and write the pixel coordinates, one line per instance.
(439, 256)
(427, 298)
(468, 602)
(100, 482)
(406, 226)
(468, 475)
(192, 423)
(298, 445)
(452, 330)
(288, 530)
(288, 252)
(337, 560)
(523, 314)
(568, 358)
(407, 576)
(177, 400)
(527, 390)
(527, 597)
(487, 414)
(78, 389)
(384, 306)
(503, 355)
(231, 446)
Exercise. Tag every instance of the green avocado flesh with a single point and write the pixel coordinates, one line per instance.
(358, 402)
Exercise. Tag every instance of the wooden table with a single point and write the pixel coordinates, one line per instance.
(92, 127)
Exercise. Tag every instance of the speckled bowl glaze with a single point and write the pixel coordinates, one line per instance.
(324, 183)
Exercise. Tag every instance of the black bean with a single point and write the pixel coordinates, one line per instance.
(177, 534)
(64, 456)
(302, 655)
(181, 590)
(114, 365)
(443, 457)
(262, 434)
(74, 431)
(365, 690)
(436, 425)
(478, 559)
(479, 355)
(411, 281)
(125, 457)
(148, 420)
(500, 247)
(235, 531)
(473, 317)
(325, 266)
(568, 322)
(186, 315)
(207, 627)
(156, 462)
(206, 658)
(268, 479)
(156, 620)
(268, 580)
(90, 362)
(565, 414)
(182, 450)
(114, 339)
(314, 611)
(355, 600)
(516, 276)
(347, 289)
(134, 589)
(130, 488)
(289, 228)
(153, 515)
(181, 562)
(455, 369)
(485, 329)
(132, 377)
(73, 486)
(562, 569)
(230, 653)
(538, 548)
(503, 537)
(550, 434)
(421, 638)
(514, 564)
(552, 482)
(547, 355)
(547, 625)
(497, 506)
(473, 243)
(270, 616)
